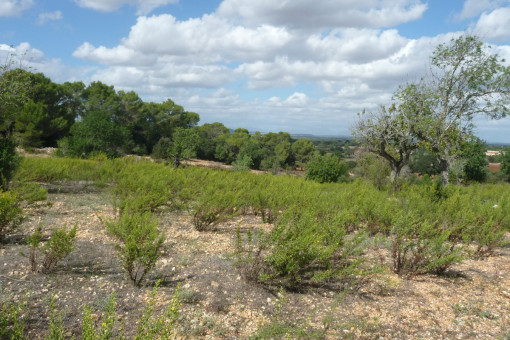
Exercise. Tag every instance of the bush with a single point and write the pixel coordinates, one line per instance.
(60, 244)
(140, 243)
(11, 214)
(305, 250)
(9, 161)
(326, 169)
(420, 247)
(30, 192)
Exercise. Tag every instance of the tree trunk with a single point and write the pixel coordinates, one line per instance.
(445, 169)
(395, 175)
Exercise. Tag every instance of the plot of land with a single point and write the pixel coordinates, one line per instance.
(471, 301)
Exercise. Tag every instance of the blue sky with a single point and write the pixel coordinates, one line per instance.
(300, 66)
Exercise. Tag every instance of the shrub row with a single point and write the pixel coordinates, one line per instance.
(320, 230)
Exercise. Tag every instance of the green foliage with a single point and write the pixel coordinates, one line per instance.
(242, 163)
(505, 162)
(14, 89)
(303, 150)
(60, 244)
(372, 168)
(13, 317)
(140, 243)
(424, 162)
(163, 327)
(57, 329)
(11, 214)
(326, 169)
(421, 247)
(9, 161)
(106, 322)
(30, 192)
(475, 168)
(307, 250)
(182, 146)
(249, 254)
(97, 132)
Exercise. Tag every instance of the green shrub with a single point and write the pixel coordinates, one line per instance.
(140, 243)
(419, 247)
(30, 192)
(163, 327)
(249, 254)
(56, 328)
(60, 244)
(326, 168)
(107, 322)
(304, 250)
(12, 320)
(9, 161)
(11, 214)
(243, 163)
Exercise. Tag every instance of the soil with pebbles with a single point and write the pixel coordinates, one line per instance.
(471, 301)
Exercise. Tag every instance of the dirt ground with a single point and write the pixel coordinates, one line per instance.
(472, 301)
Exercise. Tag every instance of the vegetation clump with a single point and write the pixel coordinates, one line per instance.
(139, 244)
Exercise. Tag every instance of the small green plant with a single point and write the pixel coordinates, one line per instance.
(11, 214)
(33, 242)
(248, 255)
(163, 327)
(12, 320)
(60, 244)
(140, 243)
(107, 322)
(57, 330)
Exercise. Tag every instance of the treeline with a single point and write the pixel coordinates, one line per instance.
(83, 121)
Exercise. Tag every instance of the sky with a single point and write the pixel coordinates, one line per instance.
(300, 66)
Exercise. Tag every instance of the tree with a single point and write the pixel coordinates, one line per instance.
(210, 137)
(505, 161)
(303, 150)
(14, 87)
(475, 168)
(389, 134)
(327, 168)
(182, 146)
(97, 132)
(465, 80)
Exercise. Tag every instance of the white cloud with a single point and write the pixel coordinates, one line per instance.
(473, 8)
(49, 16)
(34, 60)
(143, 6)
(10, 8)
(494, 26)
(323, 13)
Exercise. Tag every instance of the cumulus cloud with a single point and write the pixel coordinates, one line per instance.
(34, 60)
(143, 6)
(323, 13)
(339, 50)
(10, 8)
(495, 26)
(49, 16)
(473, 8)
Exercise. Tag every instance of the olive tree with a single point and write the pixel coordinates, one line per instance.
(465, 80)
(389, 134)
